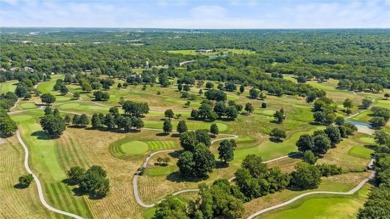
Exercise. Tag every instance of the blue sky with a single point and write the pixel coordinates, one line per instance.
(197, 13)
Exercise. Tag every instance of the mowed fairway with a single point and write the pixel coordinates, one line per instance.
(341, 183)
(323, 206)
(50, 159)
(46, 160)
(8, 86)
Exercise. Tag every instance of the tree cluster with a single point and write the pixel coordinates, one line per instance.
(53, 124)
(324, 111)
(255, 179)
(196, 160)
(209, 113)
(321, 141)
(7, 126)
(93, 181)
(380, 116)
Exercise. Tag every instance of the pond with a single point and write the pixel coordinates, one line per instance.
(359, 124)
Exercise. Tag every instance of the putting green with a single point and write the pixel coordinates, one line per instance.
(69, 106)
(28, 105)
(134, 147)
(21, 118)
(362, 152)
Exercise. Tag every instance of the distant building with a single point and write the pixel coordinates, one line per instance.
(28, 69)
(204, 50)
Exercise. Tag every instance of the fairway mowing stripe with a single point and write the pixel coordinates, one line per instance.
(162, 145)
(63, 201)
(75, 155)
(65, 162)
(68, 199)
(67, 152)
(70, 204)
(52, 194)
(54, 202)
(83, 161)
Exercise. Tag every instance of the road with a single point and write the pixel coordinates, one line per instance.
(38, 183)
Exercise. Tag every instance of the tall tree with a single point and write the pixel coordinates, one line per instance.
(214, 129)
(226, 150)
(171, 207)
(182, 126)
(169, 113)
(48, 98)
(167, 126)
(305, 143)
(249, 108)
(306, 176)
(53, 125)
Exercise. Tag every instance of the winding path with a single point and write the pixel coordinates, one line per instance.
(145, 163)
(38, 183)
(350, 192)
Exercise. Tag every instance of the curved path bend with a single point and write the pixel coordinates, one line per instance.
(350, 192)
(145, 163)
(38, 183)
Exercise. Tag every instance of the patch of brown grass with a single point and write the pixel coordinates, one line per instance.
(17, 203)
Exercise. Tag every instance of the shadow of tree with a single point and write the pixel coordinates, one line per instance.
(177, 177)
(20, 186)
(42, 135)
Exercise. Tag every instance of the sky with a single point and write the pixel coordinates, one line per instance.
(196, 14)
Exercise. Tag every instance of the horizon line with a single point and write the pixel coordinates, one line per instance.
(189, 28)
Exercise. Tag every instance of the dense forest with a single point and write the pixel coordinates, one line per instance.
(360, 59)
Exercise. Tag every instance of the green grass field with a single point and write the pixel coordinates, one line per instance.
(218, 51)
(383, 103)
(8, 86)
(323, 206)
(361, 151)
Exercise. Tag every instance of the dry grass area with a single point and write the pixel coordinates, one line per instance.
(287, 165)
(17, 203)
(93, 147)
(340, 156)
